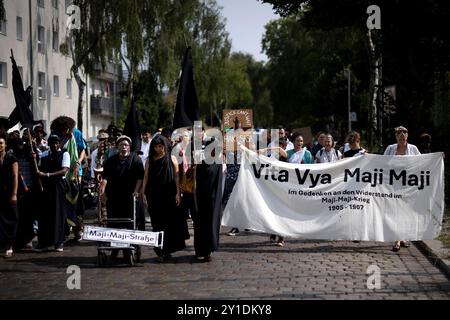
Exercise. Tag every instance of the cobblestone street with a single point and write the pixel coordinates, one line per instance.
(247, 266)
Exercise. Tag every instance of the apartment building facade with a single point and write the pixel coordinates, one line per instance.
(34, 30)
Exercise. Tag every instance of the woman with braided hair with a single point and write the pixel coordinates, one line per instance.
(162, 191)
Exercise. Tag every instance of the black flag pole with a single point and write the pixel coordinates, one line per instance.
(186, 108)
(22, 112)
(131, 127)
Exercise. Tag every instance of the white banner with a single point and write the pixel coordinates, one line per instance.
(143, 238)
(371, 197)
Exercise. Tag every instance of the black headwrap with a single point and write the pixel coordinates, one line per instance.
(165, 169)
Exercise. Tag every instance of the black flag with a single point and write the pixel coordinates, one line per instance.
(21, 112)
(131, 128)
(186, 109)
(4, 124)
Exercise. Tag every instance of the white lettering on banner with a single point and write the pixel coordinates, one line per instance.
(266, 171)
(371, 198)
(120, 235)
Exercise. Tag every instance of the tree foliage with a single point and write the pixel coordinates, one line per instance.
(308, 81)
(415, 46)
(171, 26)
(106, 28)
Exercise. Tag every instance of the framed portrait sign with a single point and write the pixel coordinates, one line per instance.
(237, 119)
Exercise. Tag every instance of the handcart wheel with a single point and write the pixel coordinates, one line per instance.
(114, 254)
(102, 258)
(138, 254)
(130, 257)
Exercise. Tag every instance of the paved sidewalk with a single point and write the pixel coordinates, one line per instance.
(247, 266)
(437, 253)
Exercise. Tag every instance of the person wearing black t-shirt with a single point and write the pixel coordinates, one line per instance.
(355, 149)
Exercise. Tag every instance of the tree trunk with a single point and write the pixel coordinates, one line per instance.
(81, 87)
(77, 63)
(80, 83)
(130, 69)
(375, 83)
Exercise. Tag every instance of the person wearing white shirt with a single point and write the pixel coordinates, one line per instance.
(401, 148)
(328, 153)
(145, 146)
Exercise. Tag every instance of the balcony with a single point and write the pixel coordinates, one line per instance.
(102, 106)
(110, 73)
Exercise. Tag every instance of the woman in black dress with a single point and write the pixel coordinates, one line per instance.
(161, 188)
(208, 215)
(9, 172)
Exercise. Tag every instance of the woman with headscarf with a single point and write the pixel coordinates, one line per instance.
(162, 191)
(208, 211)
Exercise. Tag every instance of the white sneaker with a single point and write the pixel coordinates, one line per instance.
(233, 232)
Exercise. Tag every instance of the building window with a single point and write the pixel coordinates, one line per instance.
(3, 27)
(69, 88)
(56, 86)
(55, 41)
(41, 3)
(19, 28)
(55, 4)
(41, 39)
(3, 75)
(41, 85)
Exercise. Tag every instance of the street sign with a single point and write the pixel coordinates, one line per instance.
(143, 238)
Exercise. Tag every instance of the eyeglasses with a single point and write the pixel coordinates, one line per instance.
(124, 144)
(402, 131)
